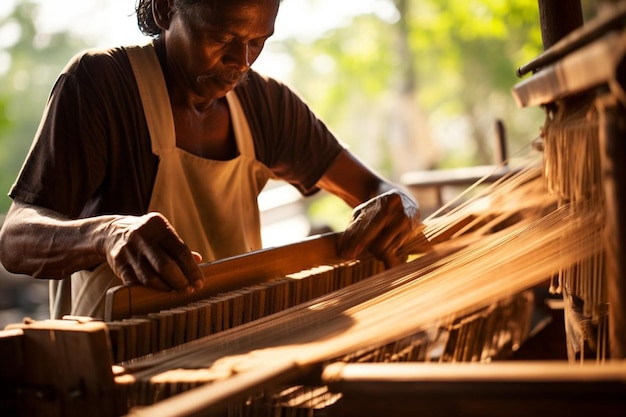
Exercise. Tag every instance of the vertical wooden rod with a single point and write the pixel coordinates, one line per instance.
(558, 18)
(613, 154)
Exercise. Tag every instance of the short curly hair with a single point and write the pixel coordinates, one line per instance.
(145, 17)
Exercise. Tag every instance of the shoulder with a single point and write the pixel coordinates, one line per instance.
(96, 57)
(268, 82)
(271, 101)
(100, 78)
(98, 65)
(262, 87)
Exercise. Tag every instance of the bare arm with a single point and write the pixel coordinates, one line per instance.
(385, 218)
(140, 249)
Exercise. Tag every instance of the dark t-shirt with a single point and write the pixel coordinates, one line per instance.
(92, 154)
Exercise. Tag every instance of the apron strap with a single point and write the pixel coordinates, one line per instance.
(243, 136)
(154, 98)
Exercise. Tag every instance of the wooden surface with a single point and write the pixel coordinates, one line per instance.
(547, 388)
(225, 275)
(64, 370)
(613, 151)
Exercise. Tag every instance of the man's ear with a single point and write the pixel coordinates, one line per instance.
(162, 11)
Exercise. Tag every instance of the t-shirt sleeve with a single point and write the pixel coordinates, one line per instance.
(289, 138)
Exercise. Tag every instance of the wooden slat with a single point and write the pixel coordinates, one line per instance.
(225, 275)
(67, 370)
(582, 70)
(12, 363)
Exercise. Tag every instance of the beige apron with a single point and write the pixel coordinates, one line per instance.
(212, 204)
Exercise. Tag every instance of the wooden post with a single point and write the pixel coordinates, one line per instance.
(613, 154)
(558, 18)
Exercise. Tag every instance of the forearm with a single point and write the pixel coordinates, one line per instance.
(385, 217)
(355, 184)
(351, 181)
(44, 244)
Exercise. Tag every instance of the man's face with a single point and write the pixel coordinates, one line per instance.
(211, 50)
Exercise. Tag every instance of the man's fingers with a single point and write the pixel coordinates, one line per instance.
(418, 244)
(127, 274)
(196, 256)
(359, 234)
(391, 259)
(171, 258)
(148, 251)
(168, 270)
(186, 263)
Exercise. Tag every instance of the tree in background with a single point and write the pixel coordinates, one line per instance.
(469, 52)
(30, 61)
(420, 84)
(422, 87)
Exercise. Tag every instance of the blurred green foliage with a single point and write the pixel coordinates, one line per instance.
(30, 61)
(449, 63)
(458, 58)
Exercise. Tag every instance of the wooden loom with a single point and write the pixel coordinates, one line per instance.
(236, 368)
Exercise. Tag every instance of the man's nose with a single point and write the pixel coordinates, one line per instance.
(241, 55)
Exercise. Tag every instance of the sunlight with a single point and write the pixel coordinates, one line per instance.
(113, 22)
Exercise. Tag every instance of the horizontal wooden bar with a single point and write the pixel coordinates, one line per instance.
(225, 275)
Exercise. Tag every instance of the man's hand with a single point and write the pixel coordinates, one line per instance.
(385, 220)
(147, 250)
(384, 225)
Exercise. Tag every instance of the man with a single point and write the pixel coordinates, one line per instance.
(149, 159)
